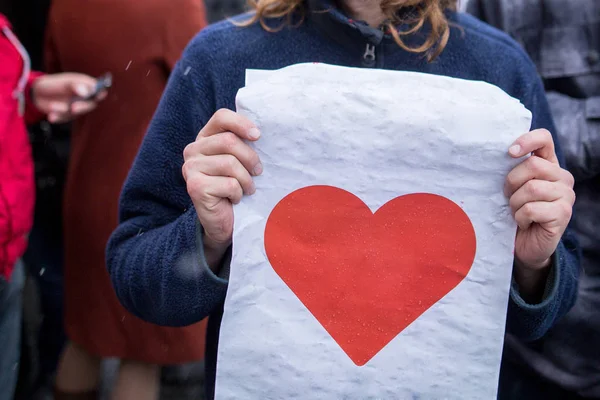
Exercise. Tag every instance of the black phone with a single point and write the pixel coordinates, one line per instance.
(103, 83)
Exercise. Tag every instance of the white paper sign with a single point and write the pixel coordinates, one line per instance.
(374, 260)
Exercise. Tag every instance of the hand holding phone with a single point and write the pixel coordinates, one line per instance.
(103, 83)
(64, 96)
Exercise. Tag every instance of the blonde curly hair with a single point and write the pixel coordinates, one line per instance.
(428, 11)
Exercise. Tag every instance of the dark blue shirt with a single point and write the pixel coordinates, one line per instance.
(155, 257)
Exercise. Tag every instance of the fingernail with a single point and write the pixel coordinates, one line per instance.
(254, 133)
(253, 188)
(515, 150)
(82, 90)
(258, 169)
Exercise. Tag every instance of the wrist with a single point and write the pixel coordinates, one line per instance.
(532, 279)
(214, 252)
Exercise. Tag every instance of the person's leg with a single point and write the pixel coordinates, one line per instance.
(78, 374)
(137, 381)
(11, 300)
(44, 262)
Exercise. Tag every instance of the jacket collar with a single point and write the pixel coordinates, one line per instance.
(332, 22)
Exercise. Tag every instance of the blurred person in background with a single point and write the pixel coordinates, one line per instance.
(25, 97)
(563, 39)
(216, 10)
(139, 43)
(42, 333)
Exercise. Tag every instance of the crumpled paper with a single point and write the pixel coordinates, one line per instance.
(378, 135)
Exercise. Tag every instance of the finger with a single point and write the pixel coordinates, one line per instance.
(81, 78)
(223, 165)
(532, 168)
(228, 121)
(204, 188)
(538, 142)
(229, 143)
(80, 84)
(538, 190)
(54, 118)
(82, 90)
(59, 107)
(553, 215)
(82, 107)
(61, 118)
(101, 96)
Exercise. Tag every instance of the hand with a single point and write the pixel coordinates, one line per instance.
(218, 169)
(56, 95)
(541, 199)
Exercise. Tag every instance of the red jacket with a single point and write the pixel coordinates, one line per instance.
(17, 189)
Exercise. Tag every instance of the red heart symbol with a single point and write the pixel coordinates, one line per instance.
(365, 277)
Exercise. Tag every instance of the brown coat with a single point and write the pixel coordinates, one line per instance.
(138, 42)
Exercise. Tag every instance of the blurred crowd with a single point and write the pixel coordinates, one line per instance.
(66, 333)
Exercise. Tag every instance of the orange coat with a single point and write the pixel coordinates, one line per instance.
(139, 42)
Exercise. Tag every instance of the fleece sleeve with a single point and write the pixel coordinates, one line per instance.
(155, 256)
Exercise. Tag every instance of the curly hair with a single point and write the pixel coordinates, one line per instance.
(427, 11)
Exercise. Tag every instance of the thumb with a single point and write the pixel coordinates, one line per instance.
(59, 106)
(538, 142)
(81, 89)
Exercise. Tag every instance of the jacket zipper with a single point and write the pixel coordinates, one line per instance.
(19, 93)
(370, 56)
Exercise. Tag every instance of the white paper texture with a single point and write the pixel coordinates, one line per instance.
(379, 135)
(254, 75)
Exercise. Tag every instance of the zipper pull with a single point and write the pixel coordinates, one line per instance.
(369, 56)
(21, 100)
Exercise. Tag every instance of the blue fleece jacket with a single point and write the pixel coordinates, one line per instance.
(155, 256)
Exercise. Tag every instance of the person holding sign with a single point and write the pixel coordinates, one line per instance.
(169, 259)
